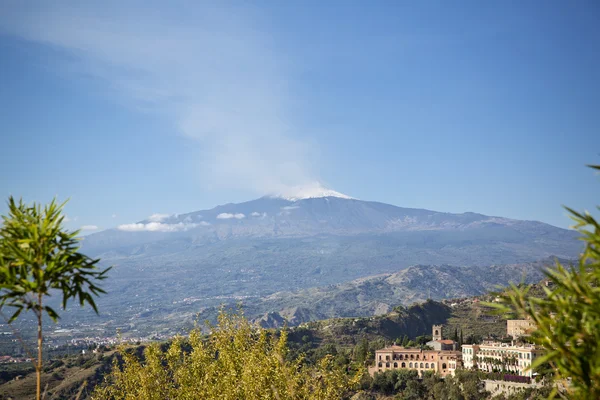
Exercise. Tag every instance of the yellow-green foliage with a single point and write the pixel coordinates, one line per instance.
(235, 362)
(567, 320)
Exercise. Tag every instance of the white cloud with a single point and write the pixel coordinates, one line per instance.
(204, 223)
(89, 228)
(229, 216)
(158, 217)
(211, 70)
(156, 227)
(114, 216)
(66, 219)
(290, 207)
(255, 214)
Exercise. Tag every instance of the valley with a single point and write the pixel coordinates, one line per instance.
(293, 261)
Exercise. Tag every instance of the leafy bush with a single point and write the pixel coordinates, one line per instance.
(235, 362)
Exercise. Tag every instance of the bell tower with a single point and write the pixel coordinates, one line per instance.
(436, 332)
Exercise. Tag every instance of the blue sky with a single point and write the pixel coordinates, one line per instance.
(152, 107)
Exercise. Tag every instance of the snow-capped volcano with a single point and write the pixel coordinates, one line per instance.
(312, 191)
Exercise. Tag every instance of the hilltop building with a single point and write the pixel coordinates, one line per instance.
(518, 327)
(436, 332)
(397, 357)
(438, 343)
(446, 344)
(495, 356)
(441, 360)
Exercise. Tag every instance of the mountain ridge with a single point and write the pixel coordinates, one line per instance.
(172, 264)
(278, 217)
(378, 294)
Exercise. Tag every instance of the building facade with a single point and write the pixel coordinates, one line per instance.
(397, 357)
(443, 344)
(518, 327)
(438, 342)
(496, 356)
(436, 332)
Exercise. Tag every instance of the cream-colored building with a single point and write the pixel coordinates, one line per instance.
(518, 327)
(496, 356)
(443, 359)
(438, 342)
(397, 357)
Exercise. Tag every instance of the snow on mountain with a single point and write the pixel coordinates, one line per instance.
(312, 191)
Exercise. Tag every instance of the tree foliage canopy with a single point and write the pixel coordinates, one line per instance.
(235, 362)
(38, 255)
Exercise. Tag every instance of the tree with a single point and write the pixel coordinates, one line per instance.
(361, 351)
(421, 340)
(414, 390)
(236, 361)
(567, 319)
(37, 257)
(405, 341)
(473, 388)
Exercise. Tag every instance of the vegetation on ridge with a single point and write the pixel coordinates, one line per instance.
(235, 362)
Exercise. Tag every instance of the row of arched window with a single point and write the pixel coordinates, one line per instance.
(410, 365)
(409, 357)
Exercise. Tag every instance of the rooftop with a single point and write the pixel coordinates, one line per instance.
(445, 341)
(395, 348)
(496, 345)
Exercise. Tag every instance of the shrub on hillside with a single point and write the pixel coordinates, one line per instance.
(235, 362)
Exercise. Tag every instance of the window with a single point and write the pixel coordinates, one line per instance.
(380, 356)
(426, 365)
(403, 365)
(409, 365)
(421, 365)
(380, 365)
(395, 365)
(387, 364)
(444, 366)
(387, 358)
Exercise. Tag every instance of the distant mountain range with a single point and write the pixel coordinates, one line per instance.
(185, 263)
(274, 217)
(379, 294)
